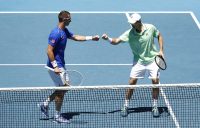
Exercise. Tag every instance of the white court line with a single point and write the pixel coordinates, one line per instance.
(151, 12)
(105, 87)
(170, 108)
(92, 12)
(67, 64)
(195, 19)
(97, 12)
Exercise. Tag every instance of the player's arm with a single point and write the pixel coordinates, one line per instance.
(52, 58)
(160, 42)
(84, 38)
(113, 41)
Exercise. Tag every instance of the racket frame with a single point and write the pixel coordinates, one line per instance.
(160, 58)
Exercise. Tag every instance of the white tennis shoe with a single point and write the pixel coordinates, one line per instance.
(60, 119)
(124, 111)
(44, 109)
(155, 112)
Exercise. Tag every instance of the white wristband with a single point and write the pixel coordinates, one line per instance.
(88, 38)
(54, 63)
(110, 39)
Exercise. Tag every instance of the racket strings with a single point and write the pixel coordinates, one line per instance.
(74, 77)
(160, 62)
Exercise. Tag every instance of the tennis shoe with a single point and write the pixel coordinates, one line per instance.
(124, 111)
(44, 109)
(155, 112)
(60, 119)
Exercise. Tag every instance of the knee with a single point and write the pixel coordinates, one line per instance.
(60, 94)
(132, 81)
(155, 81)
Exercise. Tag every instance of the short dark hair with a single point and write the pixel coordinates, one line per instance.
(63, 14)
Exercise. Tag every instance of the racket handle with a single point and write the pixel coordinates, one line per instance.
(49, 68)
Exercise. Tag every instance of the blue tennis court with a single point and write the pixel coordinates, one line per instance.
(23, 50)
(26, 44)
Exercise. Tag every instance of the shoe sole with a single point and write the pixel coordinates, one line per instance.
(156, 115)
(54, 121)
(124, 114)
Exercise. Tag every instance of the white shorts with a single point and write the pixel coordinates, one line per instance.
(59, 79)
(139, 70)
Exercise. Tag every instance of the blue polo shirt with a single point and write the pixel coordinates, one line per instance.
(58, 40)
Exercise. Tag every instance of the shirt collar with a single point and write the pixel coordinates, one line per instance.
(144, 28)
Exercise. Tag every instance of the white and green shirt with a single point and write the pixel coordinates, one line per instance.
(142, 44)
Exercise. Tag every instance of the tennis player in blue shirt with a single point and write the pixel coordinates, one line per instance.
(56, 46)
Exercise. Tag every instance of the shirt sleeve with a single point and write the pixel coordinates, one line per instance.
(125, 36)
(53, 39)
(155, 32)
(68, 33)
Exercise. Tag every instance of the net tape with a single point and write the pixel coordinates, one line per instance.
(100, 93)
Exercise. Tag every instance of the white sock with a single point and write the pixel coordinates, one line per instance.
(155, 103)
(57, 113)
(46, 103)
(126, 103)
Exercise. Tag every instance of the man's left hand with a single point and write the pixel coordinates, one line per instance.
(95, 38)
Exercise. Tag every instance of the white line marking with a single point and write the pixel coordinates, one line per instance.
(97, 12)
(107, 87)
(195, 19)
(48, 12)
(170, 108)
(67, 64)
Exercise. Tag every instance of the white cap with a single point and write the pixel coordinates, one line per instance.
(134, 18)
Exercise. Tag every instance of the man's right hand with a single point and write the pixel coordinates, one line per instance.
(57, 70)
(105, 37)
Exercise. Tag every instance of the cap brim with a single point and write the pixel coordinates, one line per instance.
(131, 21)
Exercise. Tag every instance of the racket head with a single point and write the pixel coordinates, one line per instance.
(160, 62)
(75, 78)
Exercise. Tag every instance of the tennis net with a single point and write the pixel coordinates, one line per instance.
(100, 107)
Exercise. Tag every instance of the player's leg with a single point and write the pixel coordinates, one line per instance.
(137, 71)
(155, 91)
(155, 95)
(59, 80)
(129, 93)
(44, 106)
(154, 74)
(58, 104)
(59, 96)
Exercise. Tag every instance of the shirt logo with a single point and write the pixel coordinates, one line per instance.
(53, 41)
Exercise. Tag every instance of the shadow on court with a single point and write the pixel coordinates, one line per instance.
(162, 110)
(71, 115)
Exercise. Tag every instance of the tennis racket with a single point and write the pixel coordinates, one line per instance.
(160, 62)
(75, 77)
